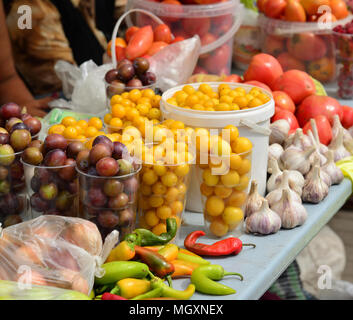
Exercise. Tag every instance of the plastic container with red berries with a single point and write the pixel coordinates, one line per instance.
(214, 23)
(307, 46)
(343, 36)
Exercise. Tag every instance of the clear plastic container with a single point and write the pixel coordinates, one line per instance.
(307, 46)
(224, 182)
(13, 204)
(109, 202)
(215, 24)
(163, 189)
(51, 190)
(252, 123)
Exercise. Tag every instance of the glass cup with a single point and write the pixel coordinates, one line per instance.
(224, 182)
(13, 204)
(163, 190)
(109, 202)
(52, 190)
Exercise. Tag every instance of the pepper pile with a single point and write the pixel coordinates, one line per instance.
(138, 267)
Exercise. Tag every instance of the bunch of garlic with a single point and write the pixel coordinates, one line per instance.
(315, 189)
(295, 178)
(291, 212)
(276, 194)
(263, 221)
(253, 201)
(347, 137)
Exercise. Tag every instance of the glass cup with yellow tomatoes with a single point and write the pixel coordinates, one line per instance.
(164, 181)
(224, 169)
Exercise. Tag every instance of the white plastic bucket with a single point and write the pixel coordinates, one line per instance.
(252, 123)
(175, 15)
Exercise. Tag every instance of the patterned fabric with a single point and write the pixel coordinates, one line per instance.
(288, 286)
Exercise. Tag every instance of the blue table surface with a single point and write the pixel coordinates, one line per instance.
(261, 266)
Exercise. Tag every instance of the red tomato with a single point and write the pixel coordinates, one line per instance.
(288, 62)
(315, 105)
(347, 119)
(120, 46)
(205, 40)
(217, 60)
(156, 46)
(259, 84)
(232, 78)
(174, 10)
(130, 32)
(297, 84)
(162, 33)
(199, 26)
(339, 8)
(306, 46)
(139, 43)
(177, 39)
(283, 101)
(264, 68)
(273, 45)
(274, 8)
(222, 24)
(323, 128)
(261, 5)
(294, 11)
(289, 116)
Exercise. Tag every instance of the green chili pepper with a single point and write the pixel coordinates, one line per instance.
(203, 278)
(144, 237)
(155, 293)
(173, 293)
(101, 289)
(117, 270)
(193, 259)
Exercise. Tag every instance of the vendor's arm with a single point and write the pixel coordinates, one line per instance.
(12, 88)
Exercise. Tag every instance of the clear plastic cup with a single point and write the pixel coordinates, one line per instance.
(224, 182)
(163, 189)
(109, 202)
(13, 204)
(51, 190)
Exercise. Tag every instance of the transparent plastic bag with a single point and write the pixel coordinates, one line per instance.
(10, 290)
(83, 85)
(55, 251)
(173, 64)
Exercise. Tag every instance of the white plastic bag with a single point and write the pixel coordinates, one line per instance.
(55, 251)
(83, 85)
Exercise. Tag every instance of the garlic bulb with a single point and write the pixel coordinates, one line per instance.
(332, 170)
(288, 141)
(263, 221)
(253, 201)
(295, 179)
(279, 131)
(315, 190)
(293, 159)
(275, 195)
(347, 138)
(275, 150)
(336, 145)
(292, 213)
(300, 140)
(314, 139)
(323, 175)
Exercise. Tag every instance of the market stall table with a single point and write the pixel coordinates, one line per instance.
(273, 253)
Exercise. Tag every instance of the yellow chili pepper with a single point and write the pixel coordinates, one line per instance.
(182, 250)
(154, 248)
(130, 287)
(124, 251)
(169, 252)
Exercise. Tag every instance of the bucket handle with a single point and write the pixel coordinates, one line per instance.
(253, 126)
(118, 23)
(228, 35)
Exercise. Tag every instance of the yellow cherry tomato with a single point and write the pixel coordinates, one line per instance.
(68, 121)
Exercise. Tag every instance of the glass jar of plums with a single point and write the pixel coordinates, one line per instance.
(108, 185)
(51, 177)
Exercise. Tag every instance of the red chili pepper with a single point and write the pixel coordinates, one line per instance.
(224, 247)
(110, 296)
(155, 261)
